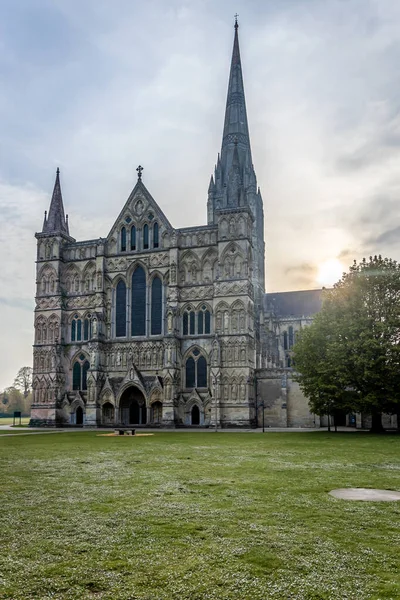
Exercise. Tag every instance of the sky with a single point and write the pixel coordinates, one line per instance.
(97, 87)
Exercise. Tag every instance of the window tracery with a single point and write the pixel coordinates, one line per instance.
(196, 370)
(79, 373)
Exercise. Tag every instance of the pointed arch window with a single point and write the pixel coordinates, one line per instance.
(76, 376)
(196, 370)
(185, 323)
(155, 236)
(291, 337)
(138, 315)
(79, 373)
(196, 323)
(87, 328)
(76, 329)
(120, 310)
(285, 340)
(190, 372)
(145, 237)
(133, 237)
(203, 320)
(123, 239)
(156, 306)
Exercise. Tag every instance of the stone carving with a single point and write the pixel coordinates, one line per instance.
(200, 293)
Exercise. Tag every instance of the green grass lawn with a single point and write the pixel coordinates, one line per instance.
(198, 516)
(10, 420)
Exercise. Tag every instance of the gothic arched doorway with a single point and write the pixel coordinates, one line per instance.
(156, 412)
(107, 413)
(195, 415)
(132, 407)
(79, 416)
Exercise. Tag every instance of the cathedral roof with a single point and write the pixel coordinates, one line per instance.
(55, 221)
(304, 303)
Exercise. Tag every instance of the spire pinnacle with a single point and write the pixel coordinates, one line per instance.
(55, 222)
(236, 21)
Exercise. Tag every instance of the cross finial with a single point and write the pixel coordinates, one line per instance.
(139, 171)
(58, 171)
(236, 21)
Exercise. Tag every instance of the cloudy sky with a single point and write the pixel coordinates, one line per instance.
(97, 87)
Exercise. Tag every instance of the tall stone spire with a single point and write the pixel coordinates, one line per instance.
(234, 173)
(55, 222)
(236, 128)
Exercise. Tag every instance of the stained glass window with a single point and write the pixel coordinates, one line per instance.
(120, 310)
(133, 237)
(138, 321)
(155, 235)
(76, 376)
(156, 306)
(190, 373)
(145, 237)
(123, 239)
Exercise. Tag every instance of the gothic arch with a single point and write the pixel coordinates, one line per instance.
(88, 277)
(47, 280)
(107, 397)
(41, 329)
(222, 317)
(232, 249)
(132, 268)
(126, 386)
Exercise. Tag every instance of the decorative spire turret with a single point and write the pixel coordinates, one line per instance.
(55, 221)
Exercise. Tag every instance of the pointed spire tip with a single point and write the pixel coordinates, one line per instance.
(236, 21)
(58, 171)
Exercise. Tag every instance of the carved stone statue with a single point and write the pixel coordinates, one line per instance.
(173, 273)
(170, 322)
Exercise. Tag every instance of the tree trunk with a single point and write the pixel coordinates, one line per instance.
(376, 425)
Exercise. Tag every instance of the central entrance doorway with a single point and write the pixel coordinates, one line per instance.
(132, 406)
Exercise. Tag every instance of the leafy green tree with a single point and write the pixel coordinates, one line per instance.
(349, 358)
(23, 380)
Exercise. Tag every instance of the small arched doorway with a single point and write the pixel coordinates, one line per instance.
(107, 413)
(133, 410)
(195, 415)
(156, 412)
(79, 416)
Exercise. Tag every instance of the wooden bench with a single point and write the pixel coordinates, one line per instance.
(123, 431)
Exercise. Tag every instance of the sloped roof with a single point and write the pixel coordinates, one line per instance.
(304, 303)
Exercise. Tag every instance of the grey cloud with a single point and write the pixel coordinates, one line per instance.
(300, 269)
(389, 237)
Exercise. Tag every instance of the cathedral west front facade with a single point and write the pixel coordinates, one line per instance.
(153, 325)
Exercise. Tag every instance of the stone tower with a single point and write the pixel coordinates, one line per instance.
(48, 377)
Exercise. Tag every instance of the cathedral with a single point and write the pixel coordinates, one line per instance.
(157, 326)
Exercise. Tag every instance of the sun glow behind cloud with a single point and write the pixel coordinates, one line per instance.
(329, 272)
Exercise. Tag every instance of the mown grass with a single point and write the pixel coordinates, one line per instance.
(10, 420)
(197, 516)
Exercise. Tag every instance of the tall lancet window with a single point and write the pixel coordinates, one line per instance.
(155, 235)
(120, 310)
(138, 319)
(133, 237)
(156, 306)
(123, 239)
(145, 237)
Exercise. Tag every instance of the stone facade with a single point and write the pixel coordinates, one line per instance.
(164, 326)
